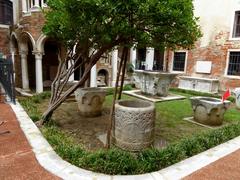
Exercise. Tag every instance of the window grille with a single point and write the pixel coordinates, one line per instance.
(234, 64)
(179, 61)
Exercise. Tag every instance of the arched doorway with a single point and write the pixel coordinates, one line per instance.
(50, 62)
(28, 70)
(102, 78)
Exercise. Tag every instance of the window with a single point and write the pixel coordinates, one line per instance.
(179, 61)
(6, 12)
(234, 64)
(236, 27)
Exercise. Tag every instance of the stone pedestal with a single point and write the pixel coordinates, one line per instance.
(90, 101)
(199, 84)
(133, 129)
(209, 111)
(153, 82)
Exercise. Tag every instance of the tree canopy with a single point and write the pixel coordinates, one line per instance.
(97, 26)
(96, 23)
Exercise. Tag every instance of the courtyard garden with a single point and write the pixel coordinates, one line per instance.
(81, 140)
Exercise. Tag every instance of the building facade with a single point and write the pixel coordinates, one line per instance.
(35, 55)
(212, 66)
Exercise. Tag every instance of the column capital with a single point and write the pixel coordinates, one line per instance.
(23, 52)
(38, 53)
(13, 50)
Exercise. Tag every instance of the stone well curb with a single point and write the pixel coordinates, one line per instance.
(56, 165)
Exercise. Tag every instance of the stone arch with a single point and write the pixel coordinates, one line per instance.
(103, 77)
(26, 49)
(40, 43)
(14, 41)
(24, 39)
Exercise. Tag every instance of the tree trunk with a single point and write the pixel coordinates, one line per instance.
(60, 98)
(125, 54)
(111, 119)
(54, 105)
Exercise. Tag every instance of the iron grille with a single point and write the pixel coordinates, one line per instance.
(7, 78)
(234, 64)
(179, 61)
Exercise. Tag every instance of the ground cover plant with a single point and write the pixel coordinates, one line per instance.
(181, 137)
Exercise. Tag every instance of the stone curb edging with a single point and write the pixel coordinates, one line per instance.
(47, 157)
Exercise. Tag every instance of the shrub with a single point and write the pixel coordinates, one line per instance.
(116, 161)
(29, 104)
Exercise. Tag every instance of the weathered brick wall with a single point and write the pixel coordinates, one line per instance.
(216, 52)
(32, 24)
(4, 40)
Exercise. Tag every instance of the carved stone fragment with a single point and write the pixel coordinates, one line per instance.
(90, 101)
(208, 110)
(134, 123)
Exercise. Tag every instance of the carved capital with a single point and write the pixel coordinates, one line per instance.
(38, 54)
(23, 52)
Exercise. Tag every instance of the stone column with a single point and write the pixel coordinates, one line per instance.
(93, 76)
(133, 56)
(38, 70)
(24, 65)
(114, 66)
(13, 52)
(71, 78)
(149, 58)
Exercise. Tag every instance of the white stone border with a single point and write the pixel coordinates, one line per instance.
(54, 164)
(170, 97)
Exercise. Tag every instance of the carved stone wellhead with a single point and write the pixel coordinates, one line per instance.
(90, 101)
(208, 110)
(154, 83)
(134, 123)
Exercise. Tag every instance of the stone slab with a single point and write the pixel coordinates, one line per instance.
(170, 97)
(191, 120)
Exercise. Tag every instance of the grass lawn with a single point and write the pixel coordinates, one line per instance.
(170, 126)
(77, 139)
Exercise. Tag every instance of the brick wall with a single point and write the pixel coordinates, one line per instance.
(32, 24)
(216, 52)
(4, 41)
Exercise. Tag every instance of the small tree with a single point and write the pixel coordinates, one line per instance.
(90, 28)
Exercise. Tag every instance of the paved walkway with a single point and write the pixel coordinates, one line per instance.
(17, 160)
(225, 168)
